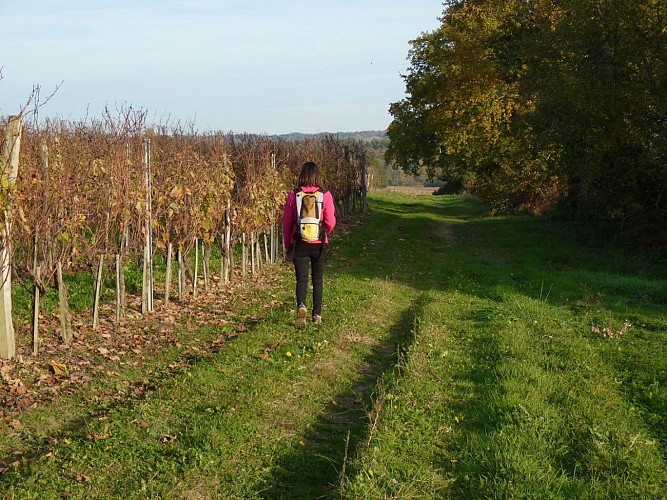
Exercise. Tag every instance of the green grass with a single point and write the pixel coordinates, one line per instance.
(456, 360)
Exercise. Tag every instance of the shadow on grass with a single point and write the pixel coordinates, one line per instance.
(451, 244)
(315, 470)
(78, 428)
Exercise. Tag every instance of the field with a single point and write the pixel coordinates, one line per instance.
(460, 356)
(411, 189)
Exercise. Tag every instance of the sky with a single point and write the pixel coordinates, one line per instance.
(256, 66)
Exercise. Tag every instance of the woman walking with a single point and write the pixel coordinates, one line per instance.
(308, 219)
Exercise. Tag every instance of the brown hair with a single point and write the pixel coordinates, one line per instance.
(310, 175)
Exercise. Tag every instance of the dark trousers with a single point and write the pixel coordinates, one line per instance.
(308, 255)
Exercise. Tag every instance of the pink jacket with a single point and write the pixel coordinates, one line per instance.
(289, 217)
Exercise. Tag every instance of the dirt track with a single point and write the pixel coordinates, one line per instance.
(412, 189)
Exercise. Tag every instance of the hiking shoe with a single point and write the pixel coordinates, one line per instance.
(301, 317)
(317, 319)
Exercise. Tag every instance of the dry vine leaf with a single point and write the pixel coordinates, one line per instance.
(59, 369)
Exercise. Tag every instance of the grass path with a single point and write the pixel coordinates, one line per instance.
(455, 360)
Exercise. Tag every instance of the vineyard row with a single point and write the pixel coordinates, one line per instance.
(75, 194)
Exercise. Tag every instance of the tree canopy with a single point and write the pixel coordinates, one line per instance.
(543, 104)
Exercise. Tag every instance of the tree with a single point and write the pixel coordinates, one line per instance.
(540, 104)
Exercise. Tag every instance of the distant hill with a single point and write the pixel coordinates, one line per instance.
(364, 135)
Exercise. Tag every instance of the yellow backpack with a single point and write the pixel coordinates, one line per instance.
(309, 215)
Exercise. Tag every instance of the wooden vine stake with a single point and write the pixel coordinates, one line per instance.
(63, 305)
(206, 260)
(167, 281)
(232, 260)
(120, 270)
(35, 304)
(181, 275)
(120, 289)
(226, 245)
(44, 154)
(9, 163)
(48, 239)
(98, 288)
(364, 184)
(253, 253)
(244, 256)
(273, 218)
(195, 278)
(147, 281)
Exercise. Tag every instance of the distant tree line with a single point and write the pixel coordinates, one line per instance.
(543, 105)
(364, 135)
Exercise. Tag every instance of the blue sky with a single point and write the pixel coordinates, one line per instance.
(265, 66)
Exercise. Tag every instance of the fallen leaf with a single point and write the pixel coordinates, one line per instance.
(16, 387)
(59, 369)
(82, 479)
(16, 425)
(98, 437)
(141, 423)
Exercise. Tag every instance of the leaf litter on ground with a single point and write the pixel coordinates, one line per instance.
(28, 381)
